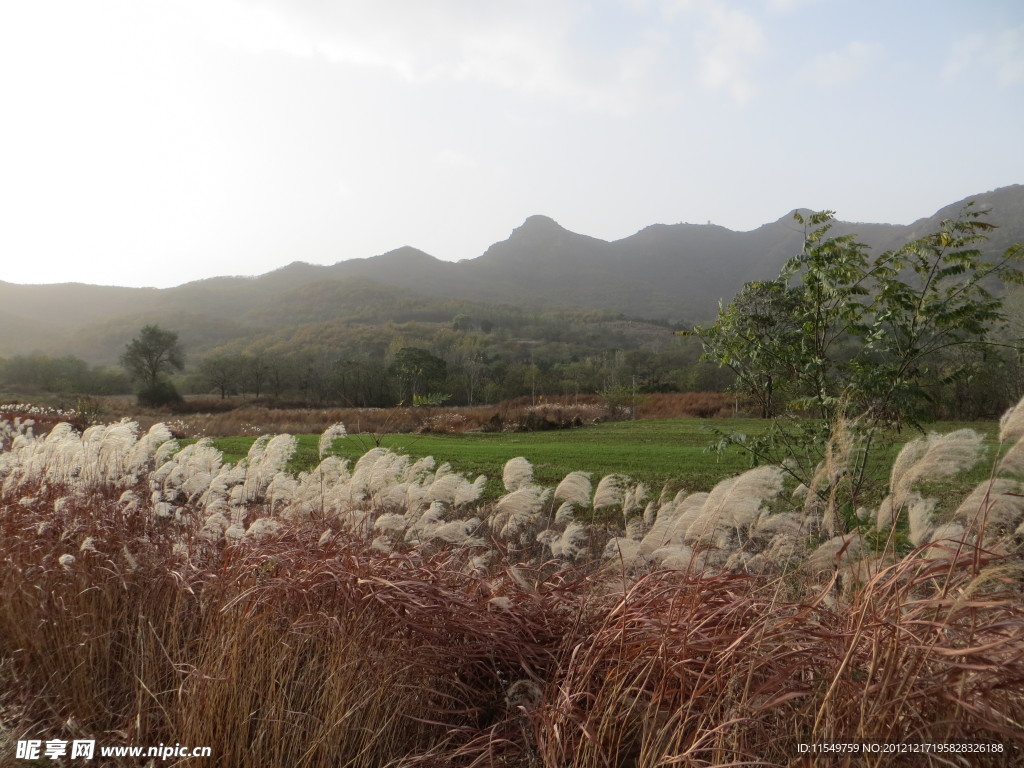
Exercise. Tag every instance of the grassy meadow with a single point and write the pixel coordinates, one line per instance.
(308, 601)
(669, 454)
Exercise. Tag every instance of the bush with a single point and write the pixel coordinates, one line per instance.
(159, 395)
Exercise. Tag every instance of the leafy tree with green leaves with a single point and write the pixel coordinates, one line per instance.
(842, 335)
(148, 357)
(418, 370)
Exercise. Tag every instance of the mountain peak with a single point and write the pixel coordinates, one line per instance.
(539, 223)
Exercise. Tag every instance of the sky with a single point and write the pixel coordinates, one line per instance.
(147, 143)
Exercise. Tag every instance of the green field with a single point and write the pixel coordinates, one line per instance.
(670, 453)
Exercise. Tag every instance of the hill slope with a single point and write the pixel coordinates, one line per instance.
(675, 272)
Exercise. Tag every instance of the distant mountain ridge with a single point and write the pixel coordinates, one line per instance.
(672, 272)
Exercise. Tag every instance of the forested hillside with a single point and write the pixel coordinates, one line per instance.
(545, 311)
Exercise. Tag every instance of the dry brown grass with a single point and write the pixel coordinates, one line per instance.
(213, 417)
(308, 646)
(308, 651)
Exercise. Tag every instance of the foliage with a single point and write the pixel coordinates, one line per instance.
(418, 370)
(33, 374)
(159, 394)
(151, 354)
(842, 335)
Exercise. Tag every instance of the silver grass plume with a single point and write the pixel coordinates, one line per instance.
(262, 528)
(468, 493)
(1000, 502)
(1013, 461)
(424, 527)
(633, 499)
(624, 553)
(610, 491)
(459, 532)
(636, 528)
(942, 456)
(837, 552)
(564, 514)
(268, 462)
(687, 511)
(575, 488)
(1011, 425)
(669, 526)
(948, 537)
(921, 516)
(573, 543)
(737, 502)
(516, 512)
(332, 433)
(518, 472)
(673, 558)
(143, 454)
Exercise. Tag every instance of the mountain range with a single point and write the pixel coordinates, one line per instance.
(674, 273)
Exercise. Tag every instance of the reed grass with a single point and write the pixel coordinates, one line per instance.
(383, 614)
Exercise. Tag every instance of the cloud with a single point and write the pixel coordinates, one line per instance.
(1001, 54)
(787, 6)
(530, 46)
(727, 46)
(844, 65)
(452, 158)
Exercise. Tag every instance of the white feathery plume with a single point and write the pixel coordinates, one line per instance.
(633, 498)
(564, 514)
(575, 488)
(360, 481)
(636, 528)
(551, 540)
(651, 513)
(517, 510)
(332, 433)
(671, 522)
(518, 472)
(427, 523)
(393, 523)
(835, 552)
(263, 527)
(999, 501)
(738, 501)
(445, 487)
(943, 455)
(283, 488)
(610, 491)
(144, 450)
(623, 552)
(271, 459)
(459, 532)
(213, 527)
(921, 515)
(468, 492)
(948, 536)
(687, 512)
(673, 558)
(1013, 461)
(1011, 425)
(164, 451)
(389, 469)
(422, 466)
(572, 544)
(259, 445)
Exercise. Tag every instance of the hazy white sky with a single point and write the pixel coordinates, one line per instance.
(154, 143)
